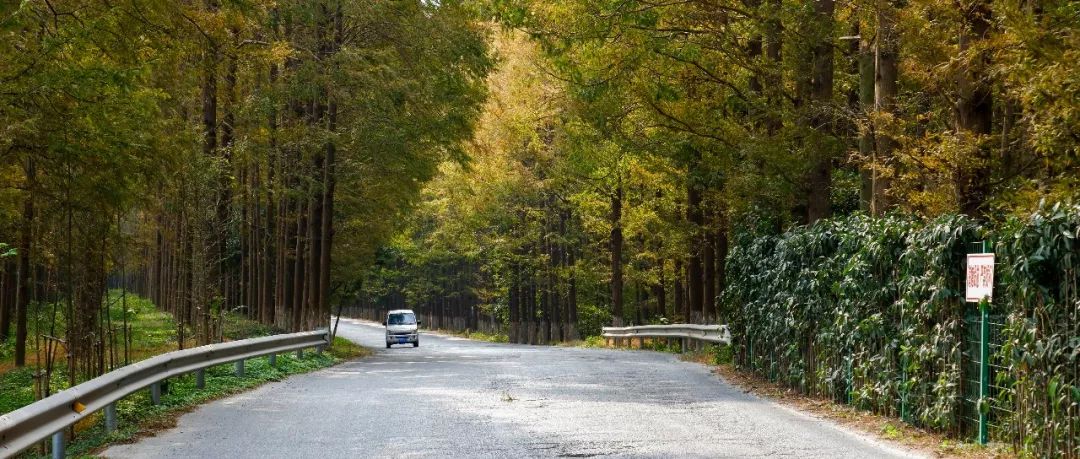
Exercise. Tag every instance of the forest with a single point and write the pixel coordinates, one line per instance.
(539, 169)
(625, 146)
(216, 157)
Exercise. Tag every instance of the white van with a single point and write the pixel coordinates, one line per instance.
(401, 328)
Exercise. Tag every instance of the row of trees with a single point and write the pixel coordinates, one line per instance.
(241, 156)
(638, 137)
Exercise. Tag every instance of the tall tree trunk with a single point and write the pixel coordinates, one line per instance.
(9, 281)
(680, 301)
(708, 261)
(819, 180)
(774, 67)
(974, 112)
(721, 247)
(885, 77)
(24, 288)
(616, 256)
(867, 150)
(695, 275)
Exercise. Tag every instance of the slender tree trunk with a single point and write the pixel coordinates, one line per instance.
(721, 247)
(774, 67)
(680, 302)
(616, 256)
(867, 151)
(24, 288)
(9, 281)
(885, 78)
(974, 112)
(695, 274)
(819, 180)
(708, 261)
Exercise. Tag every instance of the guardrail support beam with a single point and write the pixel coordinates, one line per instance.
(58, 445)
(239, 368)
(110, 418)
(155, 393)
(273, 360)
(299, 354)
(200, 378)
(319, 349)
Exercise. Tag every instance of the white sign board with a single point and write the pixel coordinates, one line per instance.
(980, 277)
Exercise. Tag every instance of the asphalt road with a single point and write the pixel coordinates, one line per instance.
(453, 397)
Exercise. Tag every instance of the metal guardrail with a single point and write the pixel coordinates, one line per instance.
(707, 333)
(26, 426)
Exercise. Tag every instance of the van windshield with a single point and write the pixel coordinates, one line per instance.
(401, 319)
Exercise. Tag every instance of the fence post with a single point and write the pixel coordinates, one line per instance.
(983, 404)
(984, 372)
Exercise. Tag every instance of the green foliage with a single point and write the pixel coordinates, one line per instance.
(870, 312)
(722, 354)
(592, 319)
(1040, 268)
(595, 341)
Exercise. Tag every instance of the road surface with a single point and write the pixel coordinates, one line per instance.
(453, 397)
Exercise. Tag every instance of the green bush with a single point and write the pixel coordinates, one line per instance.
(721, 354)
(591, 319)
(870, 312)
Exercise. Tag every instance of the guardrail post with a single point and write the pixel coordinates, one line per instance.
(200, 378)
(299, 354)
(683, 344)
(319, 349)
(58, 444)
(110, 418)
(239, 368)
(155, 393)
(273, 360)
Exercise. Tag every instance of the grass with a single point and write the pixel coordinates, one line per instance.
(475, 335)
(153, 332)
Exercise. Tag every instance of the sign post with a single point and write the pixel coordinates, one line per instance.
(980, 289)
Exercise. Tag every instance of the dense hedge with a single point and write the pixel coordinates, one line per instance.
(870, 312)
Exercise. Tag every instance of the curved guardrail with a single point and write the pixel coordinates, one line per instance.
(707, 333)
(26, 426)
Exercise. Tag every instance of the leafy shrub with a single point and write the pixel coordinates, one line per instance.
(591, 319)
(721, 354)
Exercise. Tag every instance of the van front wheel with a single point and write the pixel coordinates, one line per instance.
(416, 343)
